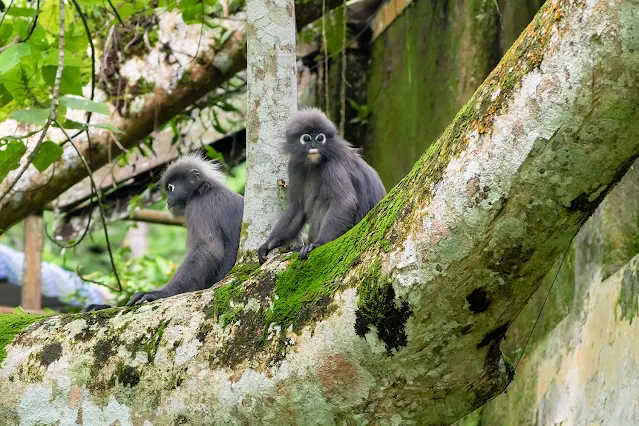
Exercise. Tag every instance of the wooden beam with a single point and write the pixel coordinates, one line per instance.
(32, 281)
(10, 310)
(387, 14)
(156, 216)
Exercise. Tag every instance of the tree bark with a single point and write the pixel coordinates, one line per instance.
(272, 99)
(212, 68)
(398, 321)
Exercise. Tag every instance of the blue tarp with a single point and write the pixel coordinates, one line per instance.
(56, 282)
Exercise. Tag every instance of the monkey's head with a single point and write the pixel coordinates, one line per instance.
(183, 177)
(311, 137)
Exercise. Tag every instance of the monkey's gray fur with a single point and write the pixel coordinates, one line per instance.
(213, 216)
(330, 187)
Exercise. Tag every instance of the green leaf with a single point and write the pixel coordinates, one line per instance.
(37, 116)
(70, 124)
(6, 30)
(71, 82)
(5, 96)
(107, 126)
(38, 40)
(26, 12)
(10, 157)
(84, 105)
(10, 57)
(49, 153)
(126, 11)
(17, 138)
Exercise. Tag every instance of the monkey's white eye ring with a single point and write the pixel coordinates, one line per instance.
(320, 138)
(305, 138)
(170, 187)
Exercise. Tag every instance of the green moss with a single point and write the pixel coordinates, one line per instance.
(243, 271)
(49, 354)
(376, 306)
(224, 295)
(11, 325)
(152, 345)
(628, 296)
(128, 376)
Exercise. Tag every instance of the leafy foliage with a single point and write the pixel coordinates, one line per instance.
(112, 32)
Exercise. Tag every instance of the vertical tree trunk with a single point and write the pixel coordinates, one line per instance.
(272, 98)
(32, 282)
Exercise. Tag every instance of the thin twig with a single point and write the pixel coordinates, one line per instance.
(523, 351)
(78, 241)
(115, 11)
(88, 280)
(52, 113)
(97, 193)
(35, 21)
(199, 40)
(342, 122)
(88, 32)
(325, 43)
(24, 191)
(6, 12)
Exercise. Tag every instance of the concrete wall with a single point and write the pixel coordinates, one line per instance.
(581, 366)
(426, 65)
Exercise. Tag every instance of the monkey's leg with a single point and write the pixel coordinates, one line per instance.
(338, 219)
(287, 227)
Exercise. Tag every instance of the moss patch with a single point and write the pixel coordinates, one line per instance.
(629, 294)
(224, 313)
(128, 376)
(50, 354)
(377, 307)
(11, 325)
(152, 345)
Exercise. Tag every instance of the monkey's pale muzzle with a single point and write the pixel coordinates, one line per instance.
(313, 154)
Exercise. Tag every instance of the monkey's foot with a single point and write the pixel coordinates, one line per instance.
(262, 252)
(95, 307)
(305, 250)
(142, 297)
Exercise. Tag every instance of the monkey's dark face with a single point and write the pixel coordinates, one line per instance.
(311, 137)
(179, 186)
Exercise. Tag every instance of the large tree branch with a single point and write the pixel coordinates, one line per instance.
(400, 318)
(207, 73)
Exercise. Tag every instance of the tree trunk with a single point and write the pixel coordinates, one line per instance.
(207, 73)
(400, 319)
(272, 99)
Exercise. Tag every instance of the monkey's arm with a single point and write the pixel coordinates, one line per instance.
(200, 269)
(340, 215)
(287, 227)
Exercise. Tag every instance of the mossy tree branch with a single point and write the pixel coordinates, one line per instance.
(401, 318)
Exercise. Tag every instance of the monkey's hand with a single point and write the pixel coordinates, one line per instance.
(92, 308)
(305, 250)
(144, 296)
(262, 252)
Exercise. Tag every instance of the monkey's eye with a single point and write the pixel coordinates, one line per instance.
(170, 187)
(320, 138)
(305, 138)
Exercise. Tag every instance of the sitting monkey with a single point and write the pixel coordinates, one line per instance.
(330, 187)
(213, 216)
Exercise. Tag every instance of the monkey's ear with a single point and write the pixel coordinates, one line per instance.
(196, 174)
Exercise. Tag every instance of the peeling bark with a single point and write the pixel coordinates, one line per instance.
(207, 73)
(400, 319)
